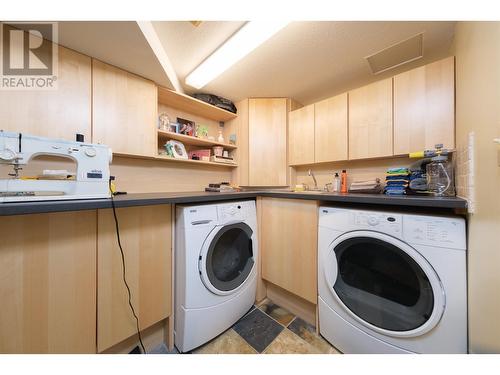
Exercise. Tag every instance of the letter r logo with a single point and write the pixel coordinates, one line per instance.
(28, 51)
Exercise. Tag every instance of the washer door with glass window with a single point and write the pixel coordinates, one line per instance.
(227, 258)
(384, 284)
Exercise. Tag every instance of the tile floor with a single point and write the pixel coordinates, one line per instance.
(268, 329)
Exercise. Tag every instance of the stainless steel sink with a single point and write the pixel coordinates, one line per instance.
(305, 191)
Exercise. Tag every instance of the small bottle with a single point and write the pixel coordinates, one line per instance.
(221, 137)
(336, 183)
(343, 182)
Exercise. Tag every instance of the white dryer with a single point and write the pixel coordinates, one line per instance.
(215, 269)
(392, 283)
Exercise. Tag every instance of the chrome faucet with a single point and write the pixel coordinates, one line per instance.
(310, 173)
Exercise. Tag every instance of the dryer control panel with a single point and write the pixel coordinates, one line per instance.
(435, 231)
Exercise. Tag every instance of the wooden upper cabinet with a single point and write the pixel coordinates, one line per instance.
(58, 113)
(424, 107)
(330, 129)
(146, 233)
(124, 111)
(370, 121)
(289, 237)
(267, 124)
(301, 136)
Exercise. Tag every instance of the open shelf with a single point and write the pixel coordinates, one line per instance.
(174, 160)
(168, 158)
(189, 140)
(191, 105)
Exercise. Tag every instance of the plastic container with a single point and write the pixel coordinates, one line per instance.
(336, 183)
(440, 181)
(343, 181)
(218, 150)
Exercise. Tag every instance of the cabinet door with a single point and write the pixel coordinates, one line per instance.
(424, 107)
(48, 283)
(330, 129)
(145, 234)
(301, 136)
(370, 121)
(267, 120)
(289, 232)
(124, 111)
(58, 113)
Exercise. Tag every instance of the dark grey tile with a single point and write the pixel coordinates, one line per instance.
(258, 329)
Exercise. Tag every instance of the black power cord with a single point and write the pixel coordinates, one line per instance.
(124, 271)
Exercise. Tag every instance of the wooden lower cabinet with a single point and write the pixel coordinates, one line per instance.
(48, 283)
(289, 237)
(146, 236)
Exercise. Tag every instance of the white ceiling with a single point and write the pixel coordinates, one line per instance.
(307, 61)
(188, 45)
(119, 43)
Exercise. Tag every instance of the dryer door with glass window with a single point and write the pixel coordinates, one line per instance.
(227, 258)
(384, 284)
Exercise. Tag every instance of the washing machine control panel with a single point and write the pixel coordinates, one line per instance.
(233, 211)
(380, 222)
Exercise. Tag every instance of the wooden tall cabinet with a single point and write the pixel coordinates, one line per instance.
(124, 110)
(261, 129)
(289, 237)
(370, 121)
(424, 107)
(301, 136)
(146, 237)
(48, 283)
(330, 129)
(57, 113)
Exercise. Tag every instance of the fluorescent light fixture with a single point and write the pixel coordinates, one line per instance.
(244, 41)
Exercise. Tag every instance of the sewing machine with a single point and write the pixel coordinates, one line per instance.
(90, 181)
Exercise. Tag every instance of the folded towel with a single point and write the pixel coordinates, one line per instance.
(395, 188)
(366, 183)
(364, 190)
(417, 174)
(398, 170)
(397, 182)
(397, 178)
(395, 192)
(418, 184)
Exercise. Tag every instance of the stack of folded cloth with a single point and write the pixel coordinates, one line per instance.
(367, 187)
(397, 181)
(418, 181)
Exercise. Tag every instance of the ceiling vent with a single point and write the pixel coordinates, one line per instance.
(398, 54)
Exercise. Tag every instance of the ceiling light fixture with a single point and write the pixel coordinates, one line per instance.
(244, 41)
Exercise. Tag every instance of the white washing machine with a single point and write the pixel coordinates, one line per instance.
(392, 283)
(215, 269)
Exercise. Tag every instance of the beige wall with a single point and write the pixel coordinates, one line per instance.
(477, 50)
(357, 170)
(142, 176)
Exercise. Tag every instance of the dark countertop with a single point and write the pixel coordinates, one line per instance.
(147, 199)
